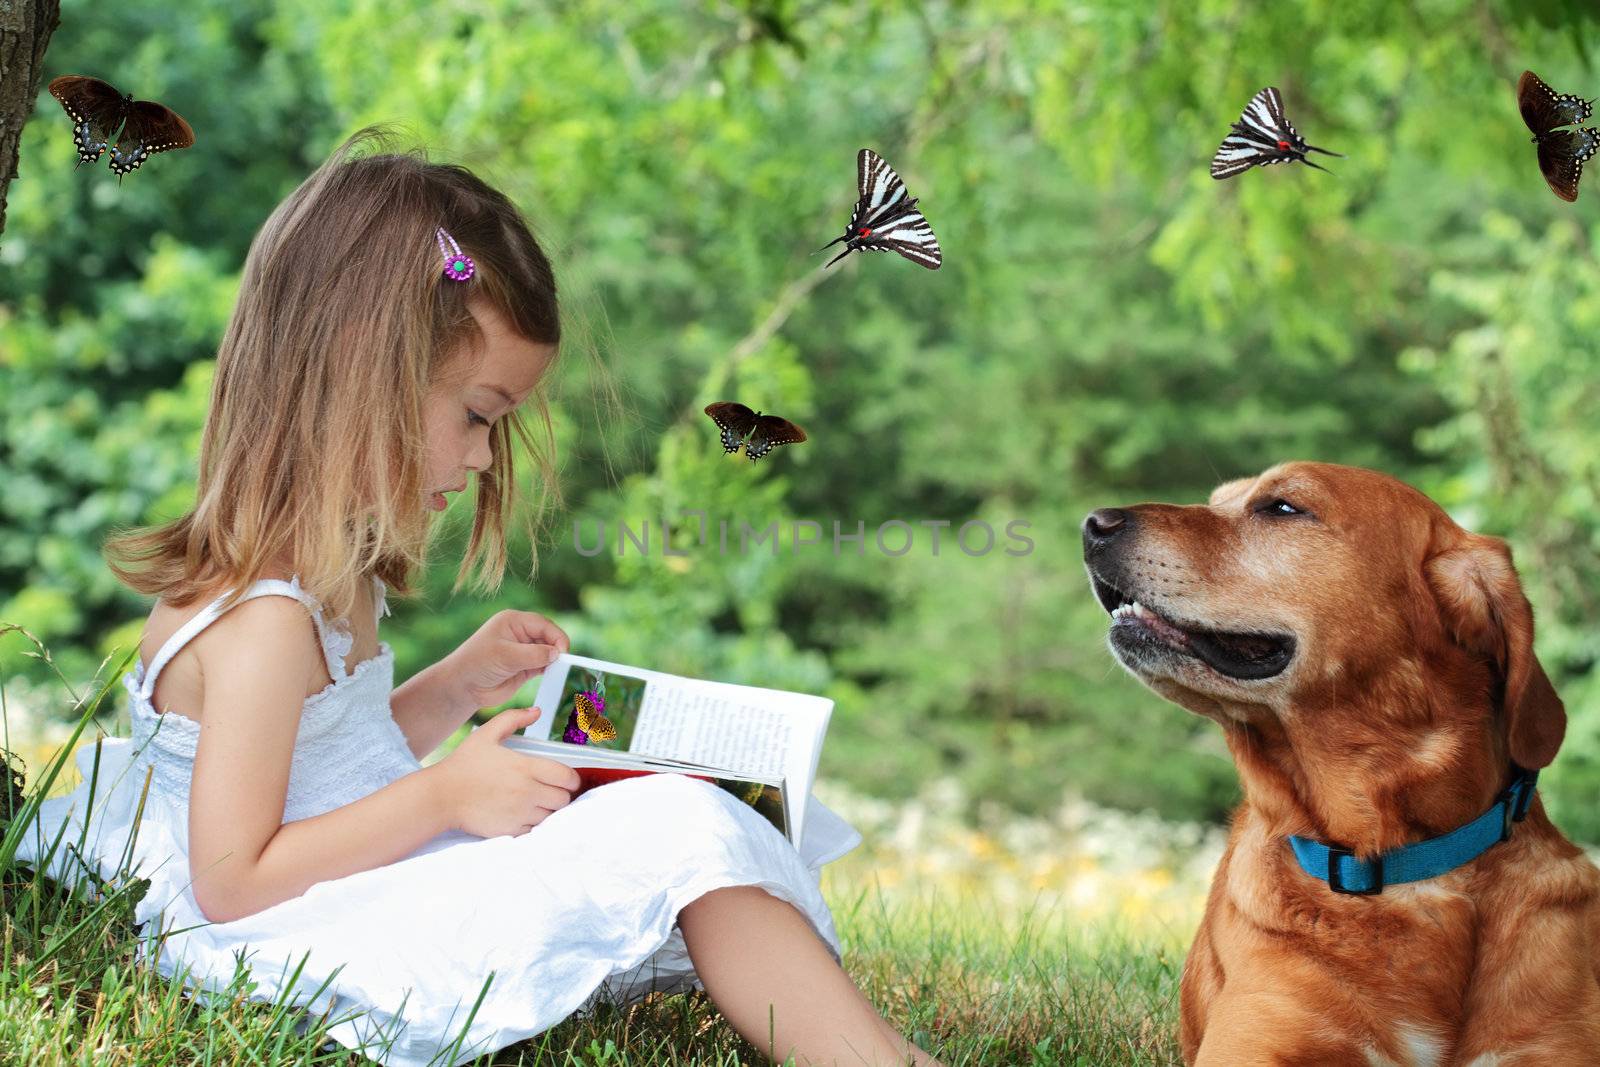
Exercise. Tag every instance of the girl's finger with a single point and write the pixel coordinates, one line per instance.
(541, 656)
(532, 628)
(516, 658)
(551, 798)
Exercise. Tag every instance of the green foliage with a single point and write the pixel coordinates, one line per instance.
(1110, 325)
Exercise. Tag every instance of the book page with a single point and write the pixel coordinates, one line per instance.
(689, 723)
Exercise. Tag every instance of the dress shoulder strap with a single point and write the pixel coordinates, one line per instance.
(335, 641)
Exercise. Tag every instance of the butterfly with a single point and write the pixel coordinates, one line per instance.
(98, 111)
(587, 721)
(885, 218)
(758, 433)
(1263, 135)
(1562, 153)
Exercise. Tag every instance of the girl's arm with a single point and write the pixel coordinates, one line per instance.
(258, 661)
(428, 708)
(372, 832)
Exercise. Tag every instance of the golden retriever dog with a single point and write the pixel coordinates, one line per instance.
(1371, 665)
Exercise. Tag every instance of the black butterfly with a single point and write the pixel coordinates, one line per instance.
(885, 218)
(758, 433)
(1263, 135)
(98, 111)
(1562, 153)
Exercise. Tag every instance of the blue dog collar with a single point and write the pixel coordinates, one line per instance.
(1425, 859)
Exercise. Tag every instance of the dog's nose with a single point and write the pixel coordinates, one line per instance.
(1103, 524)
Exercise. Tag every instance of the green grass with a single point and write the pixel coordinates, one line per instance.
(972, 980)
(972, 990)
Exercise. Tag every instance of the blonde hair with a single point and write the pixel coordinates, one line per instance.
(313, 449)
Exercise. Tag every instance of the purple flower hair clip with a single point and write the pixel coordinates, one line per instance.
(458, 266)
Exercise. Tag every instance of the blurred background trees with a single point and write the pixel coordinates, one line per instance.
(1110, 326)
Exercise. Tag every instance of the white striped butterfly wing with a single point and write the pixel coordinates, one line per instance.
(1270, 102)
(1237, 154)
(886, 218)
(911, 236)
(881, 193)
(1262, 135)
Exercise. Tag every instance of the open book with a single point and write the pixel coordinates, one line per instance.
(608, 722)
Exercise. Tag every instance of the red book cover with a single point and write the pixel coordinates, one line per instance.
(590, 777)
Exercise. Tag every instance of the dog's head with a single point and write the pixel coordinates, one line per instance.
(1316, 589)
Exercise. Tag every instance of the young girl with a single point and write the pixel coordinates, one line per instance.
(393, 316)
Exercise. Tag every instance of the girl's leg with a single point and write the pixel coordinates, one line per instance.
(780, 988)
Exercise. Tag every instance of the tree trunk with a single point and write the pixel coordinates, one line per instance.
(25, 29)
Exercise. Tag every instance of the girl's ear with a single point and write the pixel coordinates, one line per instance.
(1483, 609)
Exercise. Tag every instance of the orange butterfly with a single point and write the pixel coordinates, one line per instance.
(589, 719)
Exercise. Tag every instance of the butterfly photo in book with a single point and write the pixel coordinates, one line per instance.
(587, 720)
(1263, 135)
(601, 709)
(98, 112)
(886, 219)
(1562, 153)
(758, 433)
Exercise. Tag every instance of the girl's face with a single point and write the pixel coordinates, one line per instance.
(458, 411)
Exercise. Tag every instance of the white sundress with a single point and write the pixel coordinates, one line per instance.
(581, 907)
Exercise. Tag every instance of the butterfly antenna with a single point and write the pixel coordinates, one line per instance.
(1324, 151)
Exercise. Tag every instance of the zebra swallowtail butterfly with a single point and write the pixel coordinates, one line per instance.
(1562, 153)
(98, 110)
(1263, 135)
(758, 433)
(885, 218)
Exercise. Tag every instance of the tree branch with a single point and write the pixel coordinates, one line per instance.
(26, 27)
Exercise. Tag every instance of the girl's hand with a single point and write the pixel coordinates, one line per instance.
(490, 791)
(512, 647)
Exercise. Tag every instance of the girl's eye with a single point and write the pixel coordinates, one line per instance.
(474, 417)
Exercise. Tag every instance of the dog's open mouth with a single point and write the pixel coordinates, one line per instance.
(1242, 655)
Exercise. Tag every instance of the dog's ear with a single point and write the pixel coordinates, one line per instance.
(1483, 608)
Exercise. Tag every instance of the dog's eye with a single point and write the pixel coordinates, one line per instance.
(1279, 506)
